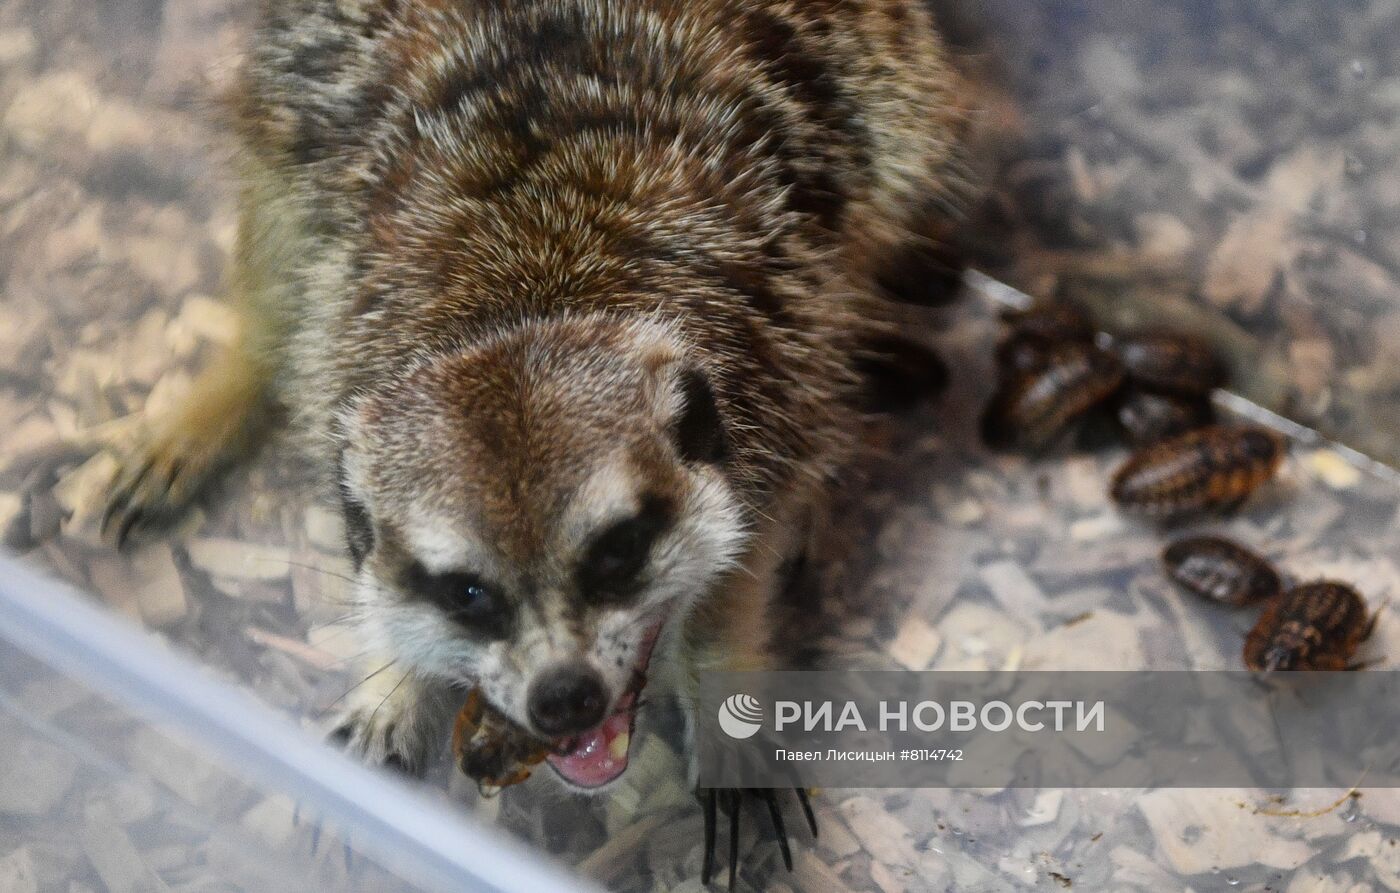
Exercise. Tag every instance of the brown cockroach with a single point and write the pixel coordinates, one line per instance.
(1315, 626)
(1221, 570)
(1050, 321)
(490, 749)
(1021, 354)
(1169, 363)
(1147, 418)
(1030, 410)
(1210, 469)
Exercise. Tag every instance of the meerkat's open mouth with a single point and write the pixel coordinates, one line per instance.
(599, 755)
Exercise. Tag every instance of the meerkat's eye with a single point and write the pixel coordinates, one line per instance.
(464, 597)
(612, 564)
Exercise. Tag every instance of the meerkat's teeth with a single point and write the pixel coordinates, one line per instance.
(618, 747)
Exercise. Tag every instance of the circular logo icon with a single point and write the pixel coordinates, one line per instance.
(741, 716)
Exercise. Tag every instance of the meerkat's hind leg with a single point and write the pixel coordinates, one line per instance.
(218, 423)
(231, 407)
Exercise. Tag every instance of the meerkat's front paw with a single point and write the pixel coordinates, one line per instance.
(398, 723)
(155, 484)
(216, 425)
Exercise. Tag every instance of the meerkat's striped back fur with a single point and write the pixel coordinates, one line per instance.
(741, 168)
(484, 240)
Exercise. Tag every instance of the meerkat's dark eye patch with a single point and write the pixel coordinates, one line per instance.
(612, 564)
(464, 597)
(698, 429)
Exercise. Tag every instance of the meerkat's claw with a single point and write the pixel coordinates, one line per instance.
(732, 800)
(153, 488)
(383, 744)
(316, 829)
(775, 813)
(709, 797)
(392, 722)
(216, 425)
(807, 811)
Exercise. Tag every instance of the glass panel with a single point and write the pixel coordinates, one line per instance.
(1227, 166)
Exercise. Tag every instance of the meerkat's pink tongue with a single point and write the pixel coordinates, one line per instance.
(598, 755)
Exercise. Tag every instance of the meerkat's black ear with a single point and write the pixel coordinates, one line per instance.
(697, 427)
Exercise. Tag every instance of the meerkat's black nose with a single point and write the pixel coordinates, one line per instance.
(567, 699)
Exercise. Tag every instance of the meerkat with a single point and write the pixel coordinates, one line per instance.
(571, 299)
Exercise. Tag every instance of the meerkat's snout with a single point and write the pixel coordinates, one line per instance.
(567, 699)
